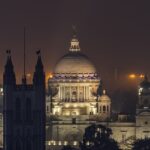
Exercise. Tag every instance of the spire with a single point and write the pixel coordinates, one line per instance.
(74, 44)
(39, 65)
(24, 59)
(100, 90)
(9, 75)
(39, 75)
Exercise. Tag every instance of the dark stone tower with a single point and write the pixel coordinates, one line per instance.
(9, 83)
(24, 110)
(144, 96)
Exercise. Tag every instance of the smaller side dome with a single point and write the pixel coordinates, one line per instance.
(104, 97)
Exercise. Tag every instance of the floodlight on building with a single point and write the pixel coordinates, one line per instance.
(75, 143)
(49, 142)
(59, 142)
(65, 142)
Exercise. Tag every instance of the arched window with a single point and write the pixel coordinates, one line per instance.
(100, 109)
(107, 108)
(18, 145)
(28, 110)
(18, 110)
(104, 108)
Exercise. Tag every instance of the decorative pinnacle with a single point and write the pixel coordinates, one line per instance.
(8, 52)
(74, 31)
(38, 52)
(74, 45)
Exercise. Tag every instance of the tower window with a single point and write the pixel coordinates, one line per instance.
(18, 110)
(107, 108)
(28, 109)
(104, 108)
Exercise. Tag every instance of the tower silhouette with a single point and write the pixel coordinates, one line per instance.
(24, 109)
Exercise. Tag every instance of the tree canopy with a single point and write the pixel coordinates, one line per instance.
(98, 137)
(142, 144)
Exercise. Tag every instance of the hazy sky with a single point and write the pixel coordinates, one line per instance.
(114, 34)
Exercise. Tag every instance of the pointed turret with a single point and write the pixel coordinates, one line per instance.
(100, 89)
(9, 75)
(39, 75)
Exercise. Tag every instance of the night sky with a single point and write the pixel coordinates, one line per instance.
(114, 34)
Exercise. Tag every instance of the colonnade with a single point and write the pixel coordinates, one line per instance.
(74, 93)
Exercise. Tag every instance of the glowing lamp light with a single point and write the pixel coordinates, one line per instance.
(28, 75)
(136, 76)
(50, 75)
(59, 143)
(75, 143)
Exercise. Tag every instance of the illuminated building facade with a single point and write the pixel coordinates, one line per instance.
(77, 100)
(74, 84)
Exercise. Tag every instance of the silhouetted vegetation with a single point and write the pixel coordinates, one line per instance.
(142, 144)
(97, 137)
(68, 147)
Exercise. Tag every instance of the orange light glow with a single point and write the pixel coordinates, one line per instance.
(132, 76)
(50, 75)
(136, 76)
(141, 76)
(28, 75)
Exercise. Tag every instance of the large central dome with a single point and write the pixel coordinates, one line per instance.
(74, 62)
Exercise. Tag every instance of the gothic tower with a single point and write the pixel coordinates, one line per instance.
(24, 109)
(144, 95)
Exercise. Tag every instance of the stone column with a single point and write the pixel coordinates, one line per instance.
(70, 94)
(59, 92)
(89, 92)
(64, 93)
(77, 93)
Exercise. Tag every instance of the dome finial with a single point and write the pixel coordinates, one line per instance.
(74, 31)
(74, 45)
(104, 92)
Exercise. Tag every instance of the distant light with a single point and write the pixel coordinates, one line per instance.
(132, 76)
(28, 75)
(136, 76)
(50, 75)
(141, 76)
